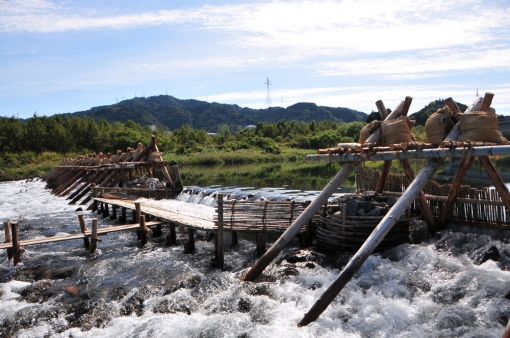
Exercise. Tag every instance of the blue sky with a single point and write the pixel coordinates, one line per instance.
(67, 56)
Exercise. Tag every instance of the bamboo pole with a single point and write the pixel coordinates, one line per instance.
(375, 237)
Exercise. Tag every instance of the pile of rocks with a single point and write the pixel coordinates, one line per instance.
(363, 205)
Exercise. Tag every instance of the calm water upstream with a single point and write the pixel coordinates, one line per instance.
(443, 287)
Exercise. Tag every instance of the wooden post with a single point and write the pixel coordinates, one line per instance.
(261, 244)
(427, 214)
(171, 239)
(301, 221)
(138, 211)
(498, 182)
(16, 253)
(382, 179)
(143, 231)
(233, 235)
(94, 206)
(93, 238)
(7, 230)
(106, 210)
(464, 166)
(219, 235)
(189, 245)
(133, 216)
(123, 216)
(378, 234)
(83, 228)
(157, 232)
(114, 212)
(100, 209)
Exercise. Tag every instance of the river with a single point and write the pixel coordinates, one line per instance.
(443, 287)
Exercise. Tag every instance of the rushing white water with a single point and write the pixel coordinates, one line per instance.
(434, 289)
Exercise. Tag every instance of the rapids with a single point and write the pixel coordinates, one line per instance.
(450, 285)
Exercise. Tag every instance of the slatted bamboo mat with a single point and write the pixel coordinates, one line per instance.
(169, 216)
(77, 236)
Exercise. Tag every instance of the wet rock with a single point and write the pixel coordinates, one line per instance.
(297, 258)
(361, 212)
(39, 292)
(316, 285)
(290, 272)
(418, 231)
(62, 273)
(244, 305)
(167, 306)
(374, 212)
(485, 253)
(492, 253)
(259, 289)
(351, 207)
(24, 318)
(79, 209)
(189, 283)
(136, 302)
(340, 259)
(310, 265)
(392, 200)
(448, 294)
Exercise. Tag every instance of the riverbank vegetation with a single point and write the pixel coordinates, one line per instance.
(31, 148)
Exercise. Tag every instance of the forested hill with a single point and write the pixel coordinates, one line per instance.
(173, 113)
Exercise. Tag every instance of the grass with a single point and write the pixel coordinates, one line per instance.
(242, 156)
(28, 164)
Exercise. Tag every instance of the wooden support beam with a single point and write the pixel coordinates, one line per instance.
(16, 252)
(496, 179)
(7, 230)
(158, 232)
(106, 210)
(450, 103)
(384, 175)
(219, 235)
(427, 214)
(143, 231)
(83, 228)
(114, 212)
(261, 244)
(464, 166)
(189, 245)
(233, 236)
(407, 105)
(171, 239)
(123, 216)
(94, 238)
(138, 212)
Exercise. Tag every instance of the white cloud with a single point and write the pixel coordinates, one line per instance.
(307, 26)
(363, 98)
(421, 65)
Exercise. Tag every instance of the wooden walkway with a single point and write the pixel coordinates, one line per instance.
(191, 222)
(87, 234)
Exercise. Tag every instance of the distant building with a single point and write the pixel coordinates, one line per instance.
(211, 134)
(250, 126)
(153, 127)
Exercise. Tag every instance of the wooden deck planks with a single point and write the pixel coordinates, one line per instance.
(77, 236)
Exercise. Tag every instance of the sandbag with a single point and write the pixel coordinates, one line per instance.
(438, 125)
(154, 157)
(397, 131)
(480, 126)
(367, 130)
